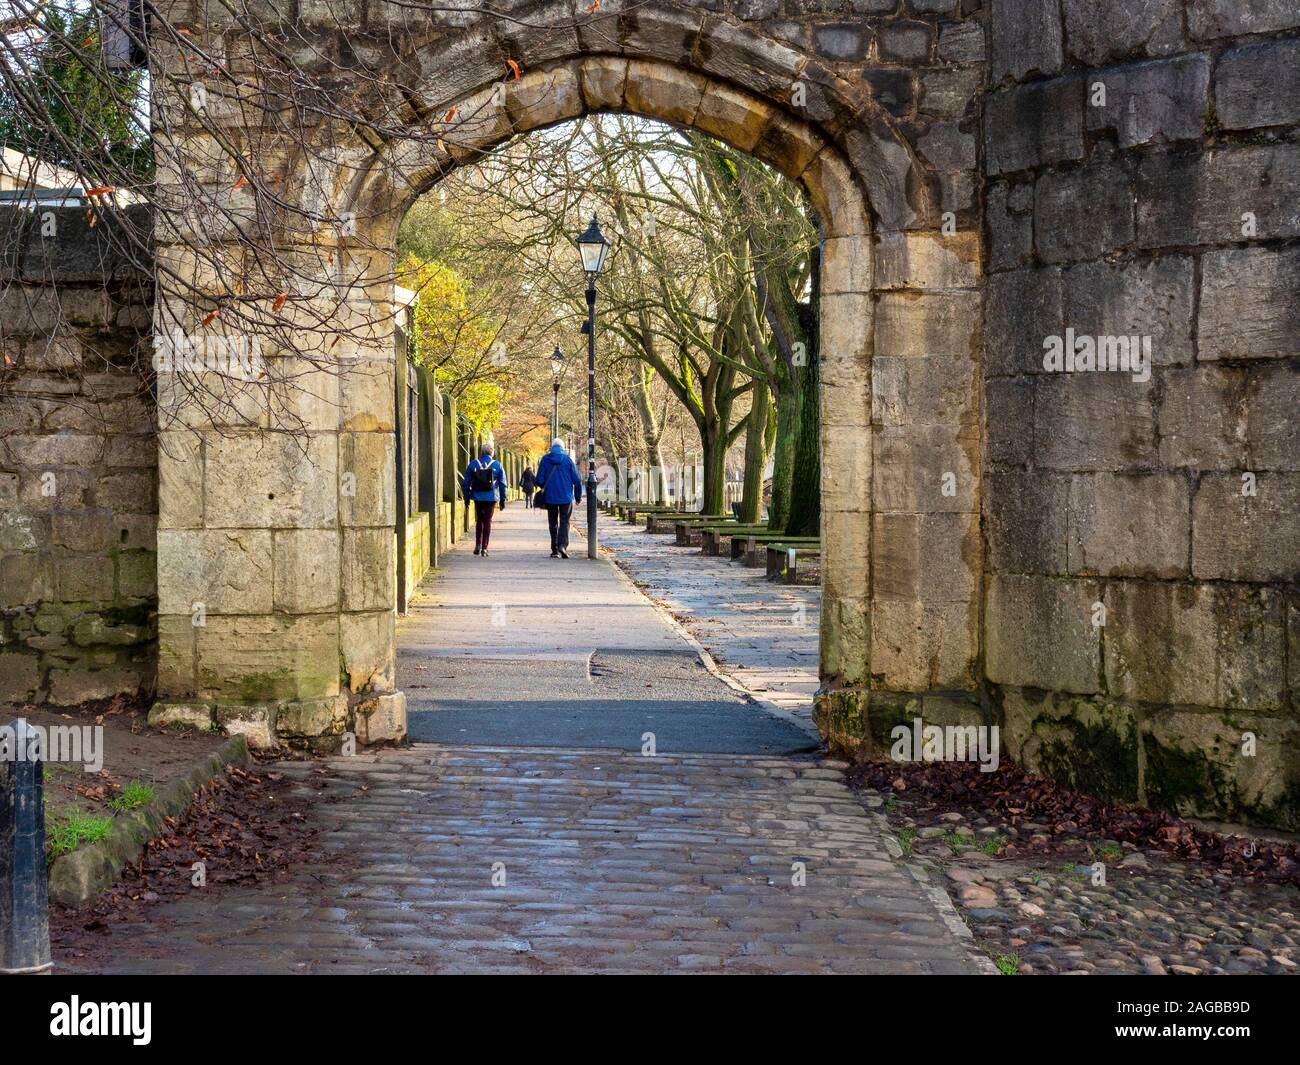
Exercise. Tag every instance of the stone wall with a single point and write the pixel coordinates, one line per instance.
(78, 460)
(1142, 539)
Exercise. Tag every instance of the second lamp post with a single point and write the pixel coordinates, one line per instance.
(594, 247)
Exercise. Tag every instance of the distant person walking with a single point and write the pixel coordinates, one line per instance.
(561, 487)
(484, 482)
(527, 483)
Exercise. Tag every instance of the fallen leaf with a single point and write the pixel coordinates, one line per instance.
(513, 66)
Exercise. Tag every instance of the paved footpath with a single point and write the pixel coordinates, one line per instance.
(762, 634)
(506, 849)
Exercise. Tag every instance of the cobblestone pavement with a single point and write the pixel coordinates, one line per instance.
(603, 862)
(474, 857)
(1098, 906)
(763, 634)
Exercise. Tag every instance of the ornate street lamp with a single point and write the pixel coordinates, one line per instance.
(594, 248)
(557, 368)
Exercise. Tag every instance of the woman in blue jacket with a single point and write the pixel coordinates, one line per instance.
(561, 487)
(483, 482)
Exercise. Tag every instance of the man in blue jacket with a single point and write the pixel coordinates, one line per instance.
(561, 487)
(483, 482)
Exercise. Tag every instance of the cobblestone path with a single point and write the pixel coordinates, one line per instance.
(474, 857)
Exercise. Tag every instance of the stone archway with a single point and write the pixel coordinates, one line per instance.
(293, 576)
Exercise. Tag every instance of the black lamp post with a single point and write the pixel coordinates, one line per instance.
(557, 368)
(594, 248)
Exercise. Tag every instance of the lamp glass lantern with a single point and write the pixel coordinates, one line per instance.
(594, 247)
(557, 362)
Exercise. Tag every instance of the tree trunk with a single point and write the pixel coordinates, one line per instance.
(806, 494)
(713, 444)
(751, 504)
(650, 432)
(787, 432)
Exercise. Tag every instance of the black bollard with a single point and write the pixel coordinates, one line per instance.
(24, 899)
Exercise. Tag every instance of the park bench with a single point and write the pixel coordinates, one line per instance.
(783, 559)
(752, 549)
(687, 528)
(631, 511)
(664, 520)
(711, 536)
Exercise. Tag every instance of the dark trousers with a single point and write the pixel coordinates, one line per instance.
(528, 498)
(557, 517)
(483, 522)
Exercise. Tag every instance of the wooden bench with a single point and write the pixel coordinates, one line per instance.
(752, 549)
(658, 521)
(688, 529)
(713, 535)
(783, 559)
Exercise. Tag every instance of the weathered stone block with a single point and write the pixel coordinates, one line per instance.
(1089, 744)
(1159, 100)
(1038, 633)
(1011, 232)
(1200, 421)
(271, 481)
(366, 390)
(1211, 19)
(921, 646)
(945, 93)
(69, 687)
(924, 261)
(905, 41)
(1025, 37)
(1197, 765)
(1021, 309)
(1083, 214)
(84, 578)
(381, 719)
(843, 41)
(1033, 125)
(961, 42)
(724, 112)
(20, 677)
(1025, 516)
(227, 570)
(1250, 303)
(1190, 644)
(846, 551)
(367, 471)
(1258, 85)
(924, 390)
(930, 557)
(369, 650)
(1246, 537)
(1008, 412)
(1201, 197)
(256, 659)
(925, 470)
(1145, 298)
(137, 574)
(306, 570)
(1122, 525)
(189, 715)
(1100, 30)
(915, 325)
(255, 722)
(309, 718)
(369, 569)
(1094, 421)
(1272, 429)
(846, 469)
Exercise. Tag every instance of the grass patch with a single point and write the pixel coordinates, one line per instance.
(133, 795)
(72, 830)
(905, 838)
(1008, 964)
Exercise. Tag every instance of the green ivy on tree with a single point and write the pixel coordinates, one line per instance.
(69, 108)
